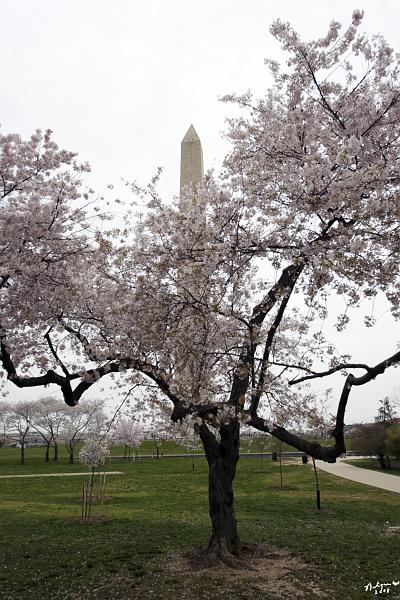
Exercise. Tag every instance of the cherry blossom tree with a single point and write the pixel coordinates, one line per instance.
(185, 433)
(19, 423)
(93, 454)
(211, 299)
(76, 425)
(158, 436)
(95, 450)
(4, 412)
(47, 421)
(128, 432)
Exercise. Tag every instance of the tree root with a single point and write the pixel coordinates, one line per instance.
(219, 553)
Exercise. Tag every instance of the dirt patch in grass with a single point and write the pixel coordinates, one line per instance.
(95, 520)
(273, 574)
(392, 530)
(268, 570)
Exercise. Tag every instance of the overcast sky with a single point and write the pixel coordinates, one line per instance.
(120, 82)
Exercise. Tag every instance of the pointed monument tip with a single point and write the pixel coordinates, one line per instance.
(191, 135)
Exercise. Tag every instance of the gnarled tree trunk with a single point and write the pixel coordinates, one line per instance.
(222, 457)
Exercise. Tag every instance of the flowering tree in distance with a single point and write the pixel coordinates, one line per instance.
(211, 299)
(4, 412)
(48, 419)
(95, 450)
(19, 423)
(129, 433)
(93, 454)
(77, 423)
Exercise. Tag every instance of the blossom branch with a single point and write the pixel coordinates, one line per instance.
(54, 353)
(315, 375)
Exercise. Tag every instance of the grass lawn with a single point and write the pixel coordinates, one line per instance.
(372, 463)
(148, 447)
(156, 513)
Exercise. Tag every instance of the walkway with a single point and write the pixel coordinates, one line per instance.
(391, 483)
(59, 474)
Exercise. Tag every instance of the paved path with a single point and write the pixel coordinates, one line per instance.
(58, 474)
(384, 481)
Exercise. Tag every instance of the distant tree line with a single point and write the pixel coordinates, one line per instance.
(55, 423)
(381, 438)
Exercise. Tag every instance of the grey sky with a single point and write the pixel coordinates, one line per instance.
(120, 82)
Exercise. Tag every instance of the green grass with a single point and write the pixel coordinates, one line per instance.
(373, 464)
(169, 447)
(158, 508)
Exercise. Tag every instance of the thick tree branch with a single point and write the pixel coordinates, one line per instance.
(210, 443)
(257, 392)
(315, 375)
(4, 281)
(88, 377)
(326, 453)
(54, 353)
(284, 286)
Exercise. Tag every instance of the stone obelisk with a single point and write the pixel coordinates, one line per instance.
(192, 171)
(190, 280)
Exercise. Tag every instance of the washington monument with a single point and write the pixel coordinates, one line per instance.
(192, 172)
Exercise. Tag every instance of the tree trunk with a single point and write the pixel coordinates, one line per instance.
(22, 453)
(382, 459)
(222, 458)
(70, 451)
(55, 456)
(46, 456)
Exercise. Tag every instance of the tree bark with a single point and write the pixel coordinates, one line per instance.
(70, 451)
(222, 457)
(384, 461)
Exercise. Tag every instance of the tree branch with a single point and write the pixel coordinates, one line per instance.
(88, 377)
(326, 453)
(315, 375)
(54, 353)
(257, 393)
(284, 285)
